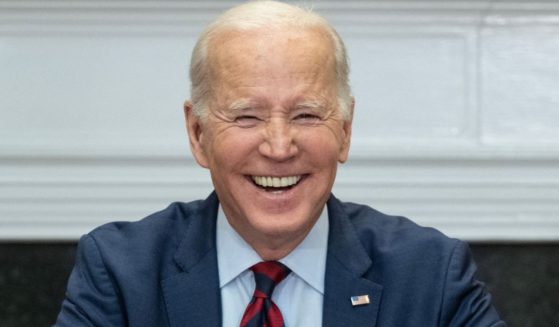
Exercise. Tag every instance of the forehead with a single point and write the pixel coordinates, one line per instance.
(271, 52)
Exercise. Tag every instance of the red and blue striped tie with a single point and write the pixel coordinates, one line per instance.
(262, 311)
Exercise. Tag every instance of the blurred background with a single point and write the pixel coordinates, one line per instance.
(456, 126)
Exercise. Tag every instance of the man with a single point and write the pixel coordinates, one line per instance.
(270, 117)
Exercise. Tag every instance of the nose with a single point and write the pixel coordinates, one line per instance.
(279, 143)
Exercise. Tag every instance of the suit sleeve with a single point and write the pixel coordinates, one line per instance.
(91, 296)
(466, 303)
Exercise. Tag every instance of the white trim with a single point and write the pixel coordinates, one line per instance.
(473, 199)
(58, 184)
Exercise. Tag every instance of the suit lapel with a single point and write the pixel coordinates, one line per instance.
(346, 265)
(192, 296)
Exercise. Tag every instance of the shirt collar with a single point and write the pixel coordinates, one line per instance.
(307, 260)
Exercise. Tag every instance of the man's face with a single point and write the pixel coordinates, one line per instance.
(274, 134)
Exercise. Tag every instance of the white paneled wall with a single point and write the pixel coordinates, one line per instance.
(456, 123)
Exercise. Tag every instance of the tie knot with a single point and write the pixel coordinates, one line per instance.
(267, 275)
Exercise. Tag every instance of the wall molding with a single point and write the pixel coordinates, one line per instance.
(188, 17)
(507, 199)
(470, 179)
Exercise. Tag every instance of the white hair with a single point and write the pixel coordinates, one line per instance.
(256, 15)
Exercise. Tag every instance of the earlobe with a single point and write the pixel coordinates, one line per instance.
(195, 131)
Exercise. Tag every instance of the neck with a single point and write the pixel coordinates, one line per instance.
(275, 247)
(268, 251)
(272, 244)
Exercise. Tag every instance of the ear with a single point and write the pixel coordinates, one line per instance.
(346, 128)
(195, 131)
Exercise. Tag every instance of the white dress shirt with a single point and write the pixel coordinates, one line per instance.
(299, 296)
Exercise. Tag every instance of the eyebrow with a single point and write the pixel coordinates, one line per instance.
(241, 104)
(246, 104)
(311, 104)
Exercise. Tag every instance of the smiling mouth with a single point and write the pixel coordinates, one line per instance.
(270, 183)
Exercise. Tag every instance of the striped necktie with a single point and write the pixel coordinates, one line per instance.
(262, 311)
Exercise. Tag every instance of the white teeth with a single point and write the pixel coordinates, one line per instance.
(268, 181)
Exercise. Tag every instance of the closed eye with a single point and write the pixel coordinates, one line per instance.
(307, 118)
(247, 120)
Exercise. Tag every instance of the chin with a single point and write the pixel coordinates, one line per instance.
(284, 223)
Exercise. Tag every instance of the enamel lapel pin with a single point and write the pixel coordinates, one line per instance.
(360, 300)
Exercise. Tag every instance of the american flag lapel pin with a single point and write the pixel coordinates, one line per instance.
(360, 300)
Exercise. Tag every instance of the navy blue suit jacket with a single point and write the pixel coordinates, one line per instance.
(162, 271)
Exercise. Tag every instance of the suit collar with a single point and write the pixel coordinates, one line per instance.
(199, 238)
(346, 266)
(192, 296)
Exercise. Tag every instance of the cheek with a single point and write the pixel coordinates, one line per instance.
(323, 156)
(323, 147)
(231, 149)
